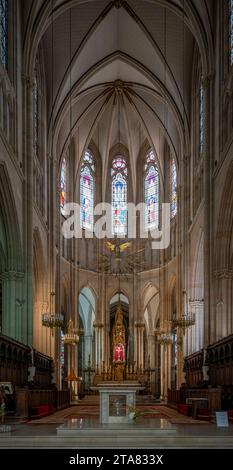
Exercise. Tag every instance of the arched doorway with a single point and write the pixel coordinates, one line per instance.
(86, 349)
(151, 347)
(12, 303)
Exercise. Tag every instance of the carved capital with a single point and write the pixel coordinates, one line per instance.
(224, 274)
(207, 79)
(98, 325)
(139, 325)
(119, 87)
(11, 276)
(28, 81)
(118, 3)
(196, 302)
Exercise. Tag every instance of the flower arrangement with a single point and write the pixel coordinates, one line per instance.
(133, 413)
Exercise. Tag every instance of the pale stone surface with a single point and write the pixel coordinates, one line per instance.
(105, 392)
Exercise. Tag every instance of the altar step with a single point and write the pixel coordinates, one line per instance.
(140, 400)
(116, 432)
(157, 442)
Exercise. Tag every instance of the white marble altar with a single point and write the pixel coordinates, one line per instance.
(117, 390)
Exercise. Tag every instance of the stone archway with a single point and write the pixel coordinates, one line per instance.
(13, 305)
(87, 340)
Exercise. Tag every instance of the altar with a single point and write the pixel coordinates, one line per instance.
(116, 401)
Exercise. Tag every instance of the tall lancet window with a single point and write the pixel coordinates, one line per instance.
(173, 188)
(4, 32)
(35, 114)
(87, 191)
(63, 184)
(119, 175)
(231, 31)
(151, 182)
(201, 119)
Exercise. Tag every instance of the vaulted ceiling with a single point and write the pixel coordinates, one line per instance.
(118, 70)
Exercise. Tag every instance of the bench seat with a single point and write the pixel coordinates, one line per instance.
(41, 411)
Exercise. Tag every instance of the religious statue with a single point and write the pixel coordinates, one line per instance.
(70, 327)
(118, 345)
(119, 353)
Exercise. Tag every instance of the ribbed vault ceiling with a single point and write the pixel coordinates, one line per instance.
(130, 65)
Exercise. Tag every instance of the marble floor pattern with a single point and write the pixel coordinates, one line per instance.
(189, 433)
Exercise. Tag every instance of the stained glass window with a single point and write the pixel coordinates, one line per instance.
(201, 118)
(4, 32)
(231, 31)
(151, 192)
(87, 192)
(173, 183)
(119, 174)
(35, 115)
(63, 184)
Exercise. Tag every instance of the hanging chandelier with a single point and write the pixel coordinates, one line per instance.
(187, 319)
(52, 320)
(71, 337)
(184, 322)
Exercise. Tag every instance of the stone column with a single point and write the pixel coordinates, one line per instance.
(197, 307)
(183, 217)
(151, 349)
(132, 317)
(223, 308)
(169, 368)
(165, 369)
(105, 318)
(208, 236)
(140, 344)
(98, 343)
(151, 361)
(28, 84)
(162, 372)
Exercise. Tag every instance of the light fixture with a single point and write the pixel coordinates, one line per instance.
(184, 322)
(52, 320)
(71, 337)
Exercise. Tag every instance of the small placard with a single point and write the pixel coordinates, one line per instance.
(222, 419)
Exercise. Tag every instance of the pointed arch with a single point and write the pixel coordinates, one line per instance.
(4, 48)
(173, 187)
(63, 182)
(151, 192)
(119, 178)
(87, 191)
(13, 254)
(87, 316)
(223, 243)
